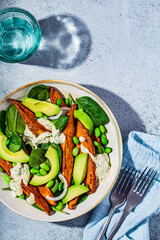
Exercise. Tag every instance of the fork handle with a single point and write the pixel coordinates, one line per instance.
(126, 212)
(103, 230)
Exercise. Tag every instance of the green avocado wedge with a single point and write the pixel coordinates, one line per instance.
(46, 108)
(85, 120)
(52, 155)
(6, 154)
(74, 191)
(80, 168)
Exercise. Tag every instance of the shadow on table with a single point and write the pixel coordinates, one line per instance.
(65, 43)
(128, 120)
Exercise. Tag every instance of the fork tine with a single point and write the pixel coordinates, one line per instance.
(131, 182)
(136, 183)
(143, 180)
(119, 178)
(123, 181)
(125, 185)
(148, 184)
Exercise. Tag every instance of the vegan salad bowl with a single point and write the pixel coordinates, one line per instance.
(60, 150)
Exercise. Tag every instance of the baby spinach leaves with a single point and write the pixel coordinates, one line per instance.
(61, 122)
(93, 109)
(37, 157)
(56, 146)
(40, 92)
(2, 121)
(15, 143)
(14, 122)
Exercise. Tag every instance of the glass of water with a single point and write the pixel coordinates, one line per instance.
(20, 35)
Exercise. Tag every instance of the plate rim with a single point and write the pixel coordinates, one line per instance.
(113, 118)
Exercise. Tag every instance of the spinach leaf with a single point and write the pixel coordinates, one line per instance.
(93, 109)
(61, 122)
(57, 147)
(8, 133)
(82, 198)
(39, 92)
(37, 157)
(15, 143)
(14, 122)
(2, 121)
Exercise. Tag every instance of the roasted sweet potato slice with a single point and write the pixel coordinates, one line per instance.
(40, 201)
(68, 145)
(97, 139)
(72, 203)
(29, 118)
(46, 191)
(54, 96)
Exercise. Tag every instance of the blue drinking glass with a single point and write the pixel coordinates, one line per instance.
(20, 35)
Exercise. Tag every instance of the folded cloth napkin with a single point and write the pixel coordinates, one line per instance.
(139, 150)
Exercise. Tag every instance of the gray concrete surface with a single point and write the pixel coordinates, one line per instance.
(112, 48)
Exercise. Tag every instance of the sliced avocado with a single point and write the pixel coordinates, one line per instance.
(85, 120)
(74, 191)
(6, 154)
(52, 155)
(46, 108)
(80, 168)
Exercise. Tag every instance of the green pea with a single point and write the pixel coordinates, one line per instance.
(39, 114)
(104, 141)
(60, 186)
(45, 166)
(108, 150)
(14, 164)
(59, 101)
(22, 196)
(50, 184)
(75, 151)
(45, 117)
(96, 144)
(59, 205)
(80, 110)
(7, 178)
(33, 170)
(97, 132)
(75, 140)
(7, 142)
(103, 135)
(38, 174)
(1, 169)
(43, 172)
(67, 101)
(54, 189)
(102, 129)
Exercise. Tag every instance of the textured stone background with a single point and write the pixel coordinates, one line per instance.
(110, 47)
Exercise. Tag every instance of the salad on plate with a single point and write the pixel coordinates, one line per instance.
(54, 150)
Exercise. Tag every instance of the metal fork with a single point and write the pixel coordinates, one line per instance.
(118, 195)
(134, 197)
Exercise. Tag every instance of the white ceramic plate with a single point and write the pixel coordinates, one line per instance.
(20, 206)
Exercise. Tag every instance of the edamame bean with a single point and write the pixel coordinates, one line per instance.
(102, 129)
(54, 189)
(75, 140)
(108, 150)
(103, 135)
(7, 178)
(59, 205)
(22, 196)
(96, 144)
(38, 174)
(80, 110)
(104, 141)
(14, 164)
(33, 170)
(67, 101)
(97, 132)
(39, 114)
(1, 169)
(45, 117)
(45, 166)
(50, 184)
(60, 186)
(75, 151)
(109, 164)
(7, 142)
(59, 101)
(43, 172)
